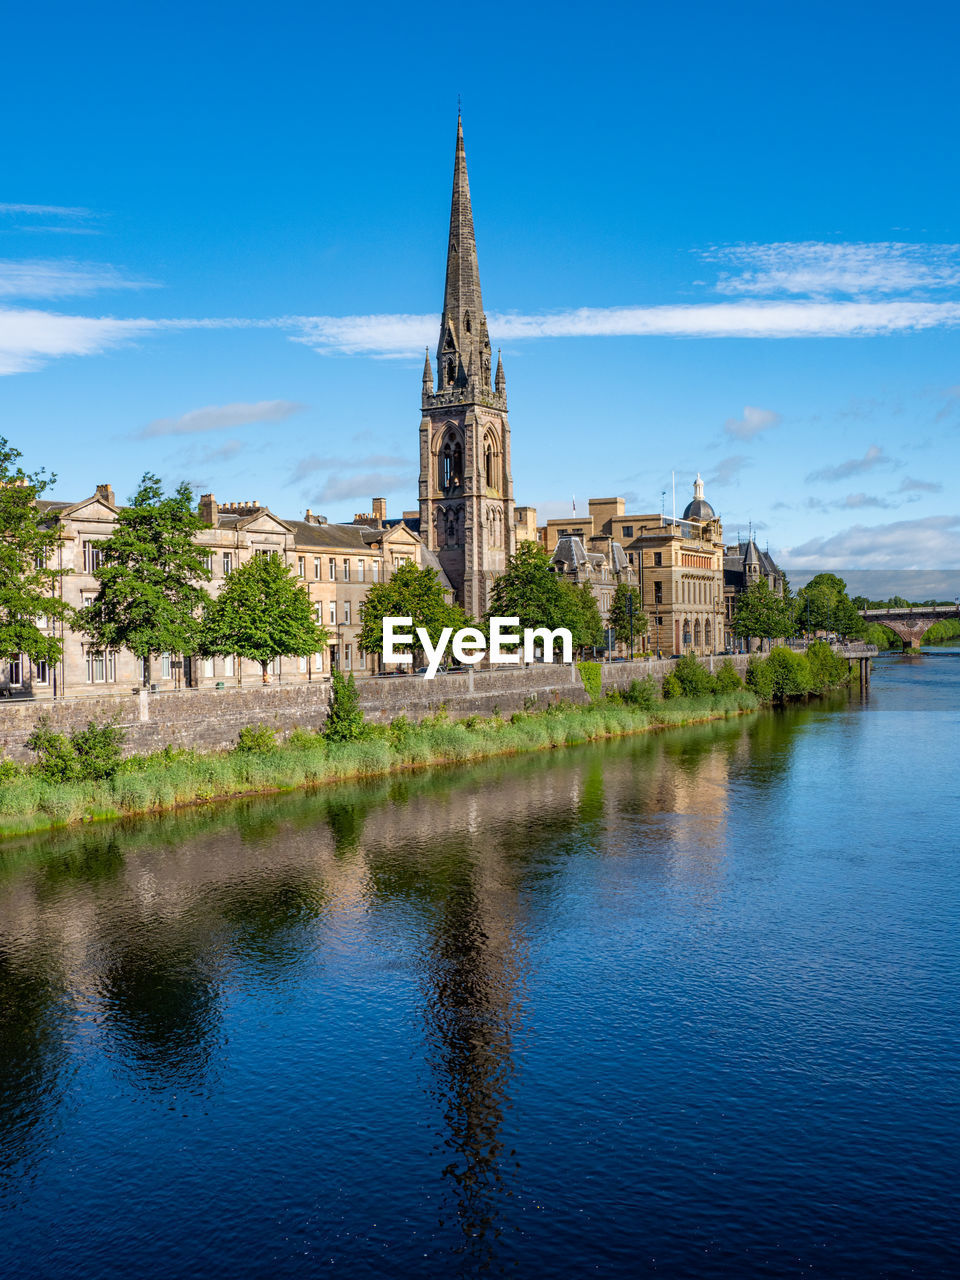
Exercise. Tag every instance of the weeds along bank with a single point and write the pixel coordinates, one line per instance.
(83, 777)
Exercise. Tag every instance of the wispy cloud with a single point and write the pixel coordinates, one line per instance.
(316, 462)
(407, 335)
(59, 219)
(909, 485)
(817, 269)
(754, 421)
(364, 484)
(221, 417)
(728, 469)
(28, 339)
(902, 544)
(225, 453)
(59, 278)
(47, 210)
(873, 458)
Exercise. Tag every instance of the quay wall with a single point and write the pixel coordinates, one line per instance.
(210, 719)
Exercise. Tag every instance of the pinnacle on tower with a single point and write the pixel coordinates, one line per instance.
(501, 382)
(427, 372)
(464, 343)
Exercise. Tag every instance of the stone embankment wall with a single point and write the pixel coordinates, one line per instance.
(211, 719)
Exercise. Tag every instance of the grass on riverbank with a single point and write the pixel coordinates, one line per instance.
(29, 802)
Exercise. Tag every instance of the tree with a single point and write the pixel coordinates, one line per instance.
(761, 613)
(532, 592)
(345, 719)
(150, 598)
(27, 543)
(262, 613)
(620, 614)
(586, 627)
(411, 593)
(823, 605)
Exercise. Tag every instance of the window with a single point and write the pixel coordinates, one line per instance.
(15, 670)
(229, 665)
(92, 557)
(346, 570)
(302, 664)
(140, 670)
(374, 570)
(316, 568)
(318, 612)
(207, 558)
(227, 563)
(165, 665)
(363, 660)
(627, 531)
(658, 593)
(101, 668)
(43, 622)
(359, 570)
(658, 557)
(630, 556)
(42, 675)
(40, 560)
(87, 597)
(333, 612)
(301, 566)
(332, 569)
(346, 611)
(348, 656)
(208, 667)
(318, 662)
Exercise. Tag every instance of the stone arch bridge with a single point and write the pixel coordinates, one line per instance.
(911, 623)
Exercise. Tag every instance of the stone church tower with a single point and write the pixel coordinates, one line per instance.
(466, 488)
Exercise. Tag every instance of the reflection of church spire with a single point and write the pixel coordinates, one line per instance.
(469, 1023)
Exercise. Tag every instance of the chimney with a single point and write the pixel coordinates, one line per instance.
(209, 510)
(308, 516)
(380, 509)
(105, 491)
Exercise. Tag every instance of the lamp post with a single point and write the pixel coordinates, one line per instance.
(630, 616)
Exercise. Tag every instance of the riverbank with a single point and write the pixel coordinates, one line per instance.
(30, 803)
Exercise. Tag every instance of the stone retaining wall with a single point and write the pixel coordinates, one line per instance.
(211, 719)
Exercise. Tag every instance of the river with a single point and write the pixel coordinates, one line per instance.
(683, 1005)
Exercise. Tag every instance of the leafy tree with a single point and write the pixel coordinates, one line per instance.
(620, 615)
(531, 591)
(411, 593)
(344, 719)
(727, 678)
(149, 598)
(823, 605)
(761, 613)
(27, 543)
(826, 667)
(694, 679)
(587, 629)
(262, 613)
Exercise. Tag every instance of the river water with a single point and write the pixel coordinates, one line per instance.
(681, 1005)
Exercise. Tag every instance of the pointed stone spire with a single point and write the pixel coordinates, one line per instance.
(427, 373)
(501, 383)
(463, 325)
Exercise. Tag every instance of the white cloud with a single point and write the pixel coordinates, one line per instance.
(728, 469)
(874, 457)
(909, 485)
(46, 210)
(53, 278)
(220, 417)
(903, 544)
(407, 335)
(365, 484)
(28, 339)
(754, 421)
(820, 270)
(308, 466)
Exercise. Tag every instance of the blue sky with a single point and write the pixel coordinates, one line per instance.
(712, 237)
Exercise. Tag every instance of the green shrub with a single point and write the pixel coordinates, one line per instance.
(672, 687)
(693, 677)
(642, 694)
(791, 673)
(759, 678)
(591, 673)
(727, 678)
(90, 754)
(10, 770)
(826, 668)
(257, 739)
(344, 719)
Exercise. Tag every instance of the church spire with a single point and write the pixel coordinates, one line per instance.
(464, 344)
(427, 373)
(501, 381)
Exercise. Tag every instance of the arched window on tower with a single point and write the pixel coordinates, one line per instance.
(451, 372)
(489, 464)
(446, 467)
(457, 465)
(466, 322)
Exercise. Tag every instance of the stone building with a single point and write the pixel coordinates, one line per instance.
(336, 563)
(467, 513)
(679, 564)
(743, 565)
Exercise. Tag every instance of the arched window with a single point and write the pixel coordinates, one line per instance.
(489, 464)
(457, 464)
(451, 372)
(686, 632)
(466, 321)
(696, 633)
(706, 633)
